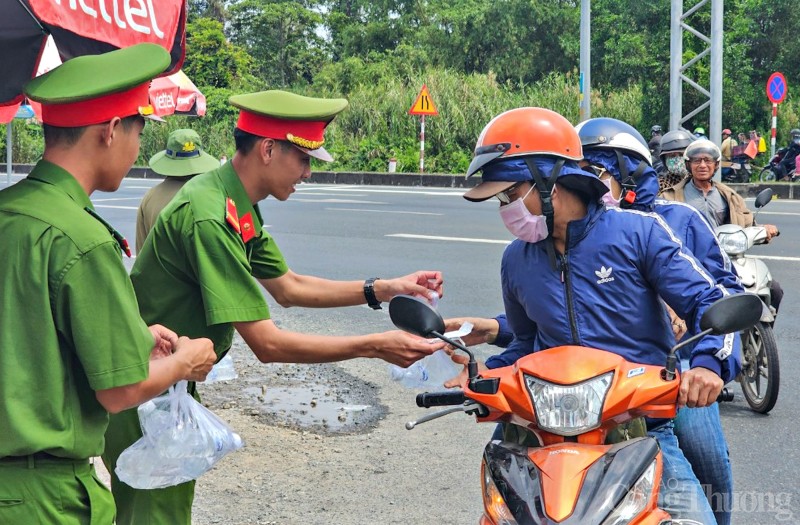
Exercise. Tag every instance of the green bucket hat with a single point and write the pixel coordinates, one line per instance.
(184, 156)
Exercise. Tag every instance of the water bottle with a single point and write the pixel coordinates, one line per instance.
(430, 372)
(222, 371)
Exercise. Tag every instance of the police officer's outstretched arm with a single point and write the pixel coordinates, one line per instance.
(273, 345)
(189, 359)
(293, 289)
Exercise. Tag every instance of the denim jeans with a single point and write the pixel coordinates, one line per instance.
(700, 436)
(680, 493)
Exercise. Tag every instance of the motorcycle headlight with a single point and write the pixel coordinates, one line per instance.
(493, 502)
(569, 410)
(734, 243)
(635, 500)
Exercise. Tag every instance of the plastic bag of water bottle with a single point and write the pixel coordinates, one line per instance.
(433, 370)
(222, 371)
(181, 440)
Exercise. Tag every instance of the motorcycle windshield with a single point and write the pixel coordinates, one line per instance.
(605, 483)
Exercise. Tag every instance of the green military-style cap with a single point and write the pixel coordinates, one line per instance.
(286, 116)
(93, 89)
(184, 156)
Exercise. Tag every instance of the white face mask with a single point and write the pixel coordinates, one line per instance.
(522, 223)
(607, 198)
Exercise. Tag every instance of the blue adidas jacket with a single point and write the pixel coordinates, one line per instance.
(596, 297)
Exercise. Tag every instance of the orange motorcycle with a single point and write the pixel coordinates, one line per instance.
(570, 398)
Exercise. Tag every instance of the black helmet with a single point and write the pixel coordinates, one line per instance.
(612, 134)
(676, 141)
(655, 130)
(795, 132)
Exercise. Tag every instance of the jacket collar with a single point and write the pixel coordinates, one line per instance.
(234, 189)
(577, 229)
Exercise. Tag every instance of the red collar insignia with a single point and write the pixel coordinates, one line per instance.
(231, 217)
(248, 228)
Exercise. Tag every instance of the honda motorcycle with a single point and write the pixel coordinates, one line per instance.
(570, 398)
(760, 376)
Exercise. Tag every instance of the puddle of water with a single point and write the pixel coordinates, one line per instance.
(309, 407)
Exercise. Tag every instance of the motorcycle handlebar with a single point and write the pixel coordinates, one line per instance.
(440, 399)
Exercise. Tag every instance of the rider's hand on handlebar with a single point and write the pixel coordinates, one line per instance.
(462, 377)
(699, 388)
(772, 231)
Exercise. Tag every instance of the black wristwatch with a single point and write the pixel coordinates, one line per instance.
(369, 293)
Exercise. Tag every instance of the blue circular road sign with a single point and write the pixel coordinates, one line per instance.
(776, 88)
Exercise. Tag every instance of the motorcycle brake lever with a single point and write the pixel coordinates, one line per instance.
(467, 407)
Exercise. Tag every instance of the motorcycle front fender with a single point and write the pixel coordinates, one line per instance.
(605, 482)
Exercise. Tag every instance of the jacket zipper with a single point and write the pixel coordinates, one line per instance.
(565, 279)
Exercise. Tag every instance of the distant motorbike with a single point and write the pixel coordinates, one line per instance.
(570, 398)
(740, 170)
(771, 172)
(760, 377)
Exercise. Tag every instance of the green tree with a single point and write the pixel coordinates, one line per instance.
(213, 61)
(282, 38)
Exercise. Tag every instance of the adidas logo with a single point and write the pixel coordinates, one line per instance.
(604, 274)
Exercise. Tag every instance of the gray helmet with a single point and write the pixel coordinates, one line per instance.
(655, 130)
(701, 146)
(675, 142)
(795, 132)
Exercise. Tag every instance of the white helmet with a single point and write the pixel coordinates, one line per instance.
(613, 134)
(701, 146)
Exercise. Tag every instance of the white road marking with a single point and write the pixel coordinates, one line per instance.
(336, 201)
(117, 199)
(440, 238)
(420, 191)
(774, 258)
(386, 211)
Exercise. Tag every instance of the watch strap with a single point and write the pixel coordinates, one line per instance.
(369, 293)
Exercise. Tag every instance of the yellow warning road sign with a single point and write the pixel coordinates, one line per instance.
(424, 104)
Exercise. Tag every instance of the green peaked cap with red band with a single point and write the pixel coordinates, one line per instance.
(92, 89)
(281, 115)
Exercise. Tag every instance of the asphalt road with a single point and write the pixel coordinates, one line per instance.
(354, 232)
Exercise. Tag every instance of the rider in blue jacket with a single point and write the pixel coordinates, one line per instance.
(581, 273)
(618, 152)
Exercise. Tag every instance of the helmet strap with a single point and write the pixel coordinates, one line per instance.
(628, 181)
(545, 195)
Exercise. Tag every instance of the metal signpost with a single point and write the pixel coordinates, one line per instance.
(423, 106)
(776, 93)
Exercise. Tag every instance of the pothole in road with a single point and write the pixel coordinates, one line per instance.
(319, 398)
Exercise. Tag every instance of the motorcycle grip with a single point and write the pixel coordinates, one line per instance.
(439, 399)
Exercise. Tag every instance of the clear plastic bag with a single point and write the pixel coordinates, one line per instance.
(431, 371)
(181, 440)
(222, 371)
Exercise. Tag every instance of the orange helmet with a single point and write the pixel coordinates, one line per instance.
(526, 131)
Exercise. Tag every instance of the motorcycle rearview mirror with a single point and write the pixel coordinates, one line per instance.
(413, 315)
(732, 313)
(763, 198)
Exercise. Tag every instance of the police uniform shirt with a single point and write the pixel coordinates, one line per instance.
(70, 320)
(195, 272)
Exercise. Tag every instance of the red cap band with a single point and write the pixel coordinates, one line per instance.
(97, 110)
(278, 128)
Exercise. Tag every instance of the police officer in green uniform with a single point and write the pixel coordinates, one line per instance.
(183, 159)
(74, 347)
(208, 253)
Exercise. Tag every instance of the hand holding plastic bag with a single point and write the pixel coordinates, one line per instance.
(181, 440)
